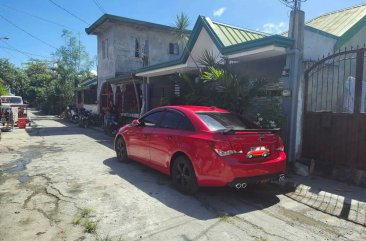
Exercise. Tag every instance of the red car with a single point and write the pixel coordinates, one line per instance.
(202, 146)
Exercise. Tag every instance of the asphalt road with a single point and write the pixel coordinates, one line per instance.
(61, 182)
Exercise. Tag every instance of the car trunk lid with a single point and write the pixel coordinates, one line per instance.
(254, 145)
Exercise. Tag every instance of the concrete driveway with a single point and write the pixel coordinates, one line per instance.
(61, 182)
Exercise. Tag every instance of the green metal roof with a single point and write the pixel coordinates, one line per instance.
(231, 35)
(339, 22)
(87, 84)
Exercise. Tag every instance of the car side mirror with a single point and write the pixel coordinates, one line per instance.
(135, 122)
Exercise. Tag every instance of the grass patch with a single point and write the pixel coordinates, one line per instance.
(83, 219)
(224, 218)
(76, 221)
(85, 212)
(90, 226)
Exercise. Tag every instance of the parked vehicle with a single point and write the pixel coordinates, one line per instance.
(112, 125)
(72, 114)
(11, 100)
(88, 118)
(6, 118)
(202, 146)
(83, 115)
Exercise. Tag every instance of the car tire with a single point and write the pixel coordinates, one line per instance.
(121, 150)
(183, 175)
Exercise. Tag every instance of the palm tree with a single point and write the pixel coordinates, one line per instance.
(181, 24)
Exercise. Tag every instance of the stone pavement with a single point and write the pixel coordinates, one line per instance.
(329, 196)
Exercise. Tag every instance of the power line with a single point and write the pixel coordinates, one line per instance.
(75, 16)
(35, 37)
(21, 51)
(8, 48)
(35, 16)
(99, 6)
(293, 4)
(12, 55)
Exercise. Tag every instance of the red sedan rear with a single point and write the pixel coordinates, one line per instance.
(202, 146)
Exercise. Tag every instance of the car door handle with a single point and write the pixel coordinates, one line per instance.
(169, 137)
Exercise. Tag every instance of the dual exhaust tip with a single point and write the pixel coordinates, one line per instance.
(243, 185)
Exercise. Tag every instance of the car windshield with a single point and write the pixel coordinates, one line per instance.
(11, 100)
(217, 121)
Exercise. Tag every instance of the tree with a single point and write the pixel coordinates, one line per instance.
(72, 65)
(3, 89)
(218, 85)
(41, 83)
(11, 78)
(181, 24)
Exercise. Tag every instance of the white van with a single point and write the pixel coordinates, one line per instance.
(11, 100)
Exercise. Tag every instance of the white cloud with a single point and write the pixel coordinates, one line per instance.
(275, 28)
(94, 72)
(219, 12)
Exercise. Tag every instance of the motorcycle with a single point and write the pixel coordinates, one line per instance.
(112, 126)
(83, 118)
(72, 114)
(88, 118)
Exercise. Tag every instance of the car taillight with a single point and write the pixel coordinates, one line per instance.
(280, 146)
(224, 148)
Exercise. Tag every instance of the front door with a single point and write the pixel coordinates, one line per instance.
(139, 137)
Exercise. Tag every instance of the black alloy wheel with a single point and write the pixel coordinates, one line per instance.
(183, 175)
(121, 151)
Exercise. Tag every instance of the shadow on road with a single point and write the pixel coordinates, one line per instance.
(208, 203)
(66, 128)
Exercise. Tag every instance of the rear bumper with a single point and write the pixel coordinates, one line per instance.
(230, 172)
(258, 179)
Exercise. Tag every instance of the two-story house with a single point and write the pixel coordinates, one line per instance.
(125, 45)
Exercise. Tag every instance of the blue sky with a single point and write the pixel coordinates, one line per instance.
(34, 26)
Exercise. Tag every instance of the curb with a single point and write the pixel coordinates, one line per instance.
(336, 205)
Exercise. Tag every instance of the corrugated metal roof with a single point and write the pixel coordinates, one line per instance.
(230, 35)
(339, 22)
(88, 82)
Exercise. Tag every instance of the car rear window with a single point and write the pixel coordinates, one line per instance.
(216, 121)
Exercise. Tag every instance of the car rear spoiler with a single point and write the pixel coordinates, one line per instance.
(231, 131)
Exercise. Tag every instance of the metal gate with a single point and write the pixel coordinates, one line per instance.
(334, 125)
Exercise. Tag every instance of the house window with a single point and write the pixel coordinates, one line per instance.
(145, 52)
(137, 48)
(105, 48)
(173, 48)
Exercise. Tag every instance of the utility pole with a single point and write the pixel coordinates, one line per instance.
(293, 81)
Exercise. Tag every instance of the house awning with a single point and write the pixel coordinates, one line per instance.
(87, 84)
(122, 78)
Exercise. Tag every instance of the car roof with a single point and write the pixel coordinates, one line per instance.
(196, 108)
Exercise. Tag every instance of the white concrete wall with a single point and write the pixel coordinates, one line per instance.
(317, 45)
(92, 108)
(124, 46)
